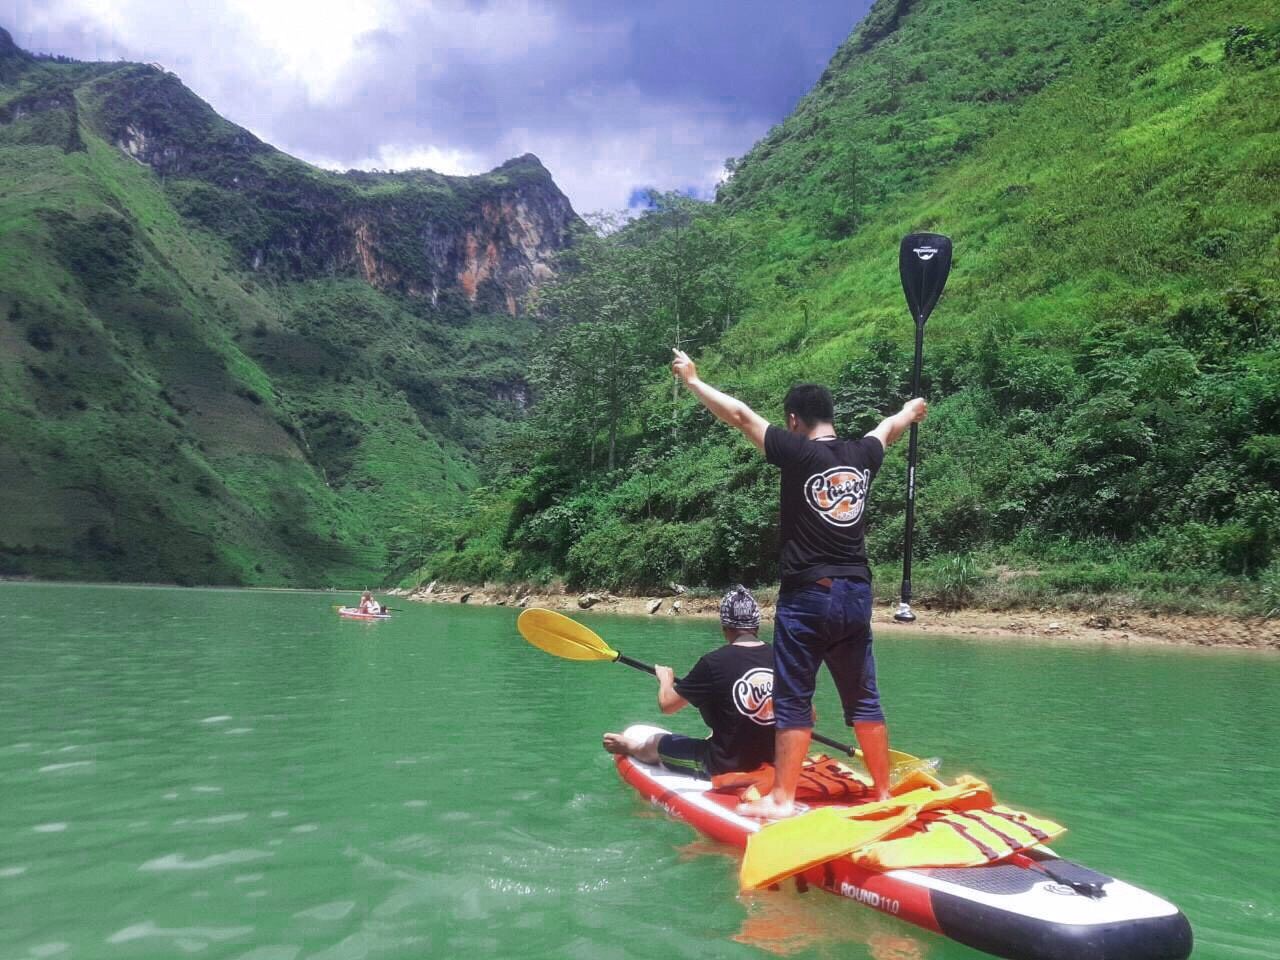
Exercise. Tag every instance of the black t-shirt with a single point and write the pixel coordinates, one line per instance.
(732, 687)
(825, 484)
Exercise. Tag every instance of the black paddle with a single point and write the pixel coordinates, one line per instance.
(924, 260)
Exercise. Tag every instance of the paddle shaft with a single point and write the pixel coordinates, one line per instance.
(825, 741)
(646, 667)
(911, 466)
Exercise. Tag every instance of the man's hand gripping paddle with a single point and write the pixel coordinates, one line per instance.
(564, 637)
(924, 261)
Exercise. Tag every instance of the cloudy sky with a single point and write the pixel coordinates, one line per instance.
(613, 95)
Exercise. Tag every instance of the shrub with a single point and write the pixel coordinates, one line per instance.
(1267, 601)
(1214, 244)
(40, 336)
(1245, 44)
(957, 581)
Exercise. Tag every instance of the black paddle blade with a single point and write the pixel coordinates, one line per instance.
(924, 260)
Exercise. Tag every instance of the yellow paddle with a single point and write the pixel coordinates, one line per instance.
(564, 637)
(787, 847)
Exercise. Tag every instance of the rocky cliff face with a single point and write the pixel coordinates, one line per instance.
(489, 253)
(483, 241)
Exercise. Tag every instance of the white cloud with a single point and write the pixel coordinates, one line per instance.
(409, 157)
(667, 146)
(456, 86)
(311, 44)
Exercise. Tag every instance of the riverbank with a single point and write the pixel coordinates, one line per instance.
(1121, 626)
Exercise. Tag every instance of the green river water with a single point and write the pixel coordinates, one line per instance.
(240, 774)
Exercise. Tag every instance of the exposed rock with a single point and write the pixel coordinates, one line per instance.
(1053, 627)
(522, 601)
(1099, 622)
(464, 598)
(482, 241)
(655, 605)
(677, 588)
(675, 606)
(589, 600)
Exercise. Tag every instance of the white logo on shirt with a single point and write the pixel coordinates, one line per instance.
(838, 495)
(753, 695)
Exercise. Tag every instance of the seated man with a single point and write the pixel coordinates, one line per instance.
(732, 687)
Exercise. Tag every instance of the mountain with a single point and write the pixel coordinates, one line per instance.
(223, 365)
(1103, 369)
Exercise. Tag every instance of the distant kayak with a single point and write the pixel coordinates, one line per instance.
(1035, 906)
(352, 613)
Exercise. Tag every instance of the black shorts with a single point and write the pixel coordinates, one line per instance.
(685, 754)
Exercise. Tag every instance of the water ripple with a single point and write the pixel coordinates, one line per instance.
(177, 861)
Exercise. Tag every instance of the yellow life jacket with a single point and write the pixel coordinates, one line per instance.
(969, 837)
(927, 823)
(959, 825)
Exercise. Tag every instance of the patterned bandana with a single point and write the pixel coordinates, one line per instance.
(739, 611)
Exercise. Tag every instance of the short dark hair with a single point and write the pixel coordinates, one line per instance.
(810, 402)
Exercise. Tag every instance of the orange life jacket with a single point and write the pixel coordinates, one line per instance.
(821, 779)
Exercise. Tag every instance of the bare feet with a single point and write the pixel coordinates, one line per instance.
(617, 743)
(766, 808)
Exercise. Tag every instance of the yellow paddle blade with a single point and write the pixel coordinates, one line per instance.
(562, 637)
(788, 847)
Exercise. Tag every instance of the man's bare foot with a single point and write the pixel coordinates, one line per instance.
(617, 743)
(766, 808)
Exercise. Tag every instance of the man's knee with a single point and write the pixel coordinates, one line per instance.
(793, 713)
(865, 711)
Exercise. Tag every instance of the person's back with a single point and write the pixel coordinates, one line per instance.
(824, 489)
(732, 687)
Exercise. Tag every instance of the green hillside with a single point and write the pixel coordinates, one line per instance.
(1104, 368)
(203, 379)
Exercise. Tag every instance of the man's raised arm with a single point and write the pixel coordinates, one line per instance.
(722, 406)
(892, 428)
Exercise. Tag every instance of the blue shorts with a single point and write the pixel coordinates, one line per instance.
(685, 754)
(815, 625)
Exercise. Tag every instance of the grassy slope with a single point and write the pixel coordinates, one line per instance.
(164, 417)
(1080, 198)
(1100, 169)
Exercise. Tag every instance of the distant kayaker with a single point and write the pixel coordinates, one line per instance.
(732, 687)
(368, 604)
(824, 605)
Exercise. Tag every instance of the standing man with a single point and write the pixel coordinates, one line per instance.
(824, 605)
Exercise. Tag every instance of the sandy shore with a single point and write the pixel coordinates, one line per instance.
(1126, 627)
